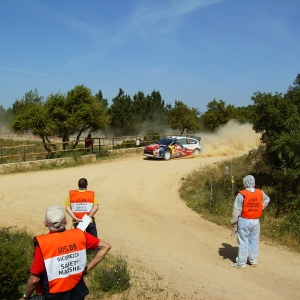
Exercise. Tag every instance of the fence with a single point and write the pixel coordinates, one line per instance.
(36, 151)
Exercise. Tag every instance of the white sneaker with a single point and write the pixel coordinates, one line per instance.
(236, 265)
(253, 264)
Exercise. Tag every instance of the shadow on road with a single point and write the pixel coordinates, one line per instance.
(228, 252)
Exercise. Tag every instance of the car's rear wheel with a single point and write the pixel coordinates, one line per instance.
(197, 151)
(167, 155)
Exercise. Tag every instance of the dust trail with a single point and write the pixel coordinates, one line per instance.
(232, 138)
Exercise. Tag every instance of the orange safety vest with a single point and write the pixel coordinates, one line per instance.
(81, 202)
(253, 204)
(64, 255)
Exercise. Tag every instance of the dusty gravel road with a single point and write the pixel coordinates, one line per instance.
(142, 215)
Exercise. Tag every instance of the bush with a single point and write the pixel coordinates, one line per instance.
(115, 279)
(16, 248)
(111, 276)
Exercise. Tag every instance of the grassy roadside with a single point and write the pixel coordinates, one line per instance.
(211, 192)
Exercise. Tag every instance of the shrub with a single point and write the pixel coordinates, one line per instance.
(115, 279)
(111, 276)
(16, 248)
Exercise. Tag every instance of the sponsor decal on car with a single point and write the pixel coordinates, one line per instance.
(171, 147)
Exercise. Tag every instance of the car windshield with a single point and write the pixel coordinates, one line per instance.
(165, 141)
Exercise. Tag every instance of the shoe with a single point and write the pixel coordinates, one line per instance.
(236, 265)
(253, 264)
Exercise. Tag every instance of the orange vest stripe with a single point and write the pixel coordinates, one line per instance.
(253, 204)
(81, 202)
(64, 255)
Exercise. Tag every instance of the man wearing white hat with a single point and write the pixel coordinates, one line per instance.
(59, 260)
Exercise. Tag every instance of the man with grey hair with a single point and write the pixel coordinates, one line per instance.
(247, 209)
(59, 260)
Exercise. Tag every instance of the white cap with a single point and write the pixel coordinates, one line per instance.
(55, 215)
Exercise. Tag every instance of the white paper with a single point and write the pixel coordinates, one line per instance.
(84, 223)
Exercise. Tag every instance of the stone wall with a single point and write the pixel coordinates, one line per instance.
(35, 165)
(126, 151)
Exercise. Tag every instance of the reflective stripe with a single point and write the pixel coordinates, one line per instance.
(81, 207)
(65, 265)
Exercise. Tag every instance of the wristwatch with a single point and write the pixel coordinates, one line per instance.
(24, 297)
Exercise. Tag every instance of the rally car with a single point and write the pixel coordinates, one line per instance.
(173, 146)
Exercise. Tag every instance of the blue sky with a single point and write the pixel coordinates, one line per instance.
(189, 50)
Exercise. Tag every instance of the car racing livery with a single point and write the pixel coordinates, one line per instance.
(173, 146)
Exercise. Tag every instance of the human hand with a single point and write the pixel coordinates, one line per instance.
(85, 271)
(78, 220)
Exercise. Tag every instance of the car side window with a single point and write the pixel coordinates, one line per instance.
(192, 141)
(182, 141)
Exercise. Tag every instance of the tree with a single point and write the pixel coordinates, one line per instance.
(244, 114)
(182, 118)
(122, 118)
(217, 114)
(102, 100)
(277, 118)
(30, 115)
(82, 112)
(78, 110)
(5, 116)
(139, 109)
(157, 112)
(149, 111)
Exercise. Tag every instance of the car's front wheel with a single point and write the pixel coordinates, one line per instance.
(197, 151)
(167, 155)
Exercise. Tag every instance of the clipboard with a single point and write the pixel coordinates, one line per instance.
(86, 220)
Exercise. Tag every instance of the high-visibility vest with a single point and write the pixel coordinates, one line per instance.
(64, 255)
(253, 204)
(81, 202)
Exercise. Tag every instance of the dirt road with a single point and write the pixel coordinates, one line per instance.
(142, 216)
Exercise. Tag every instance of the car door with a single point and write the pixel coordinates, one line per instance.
(186, 143)
(192, 143)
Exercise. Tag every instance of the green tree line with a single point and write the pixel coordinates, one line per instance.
(80, 111)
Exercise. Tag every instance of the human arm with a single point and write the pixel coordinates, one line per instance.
(103, 248)
(237, 208)
(72, 215)
(94, 210)
(32, 283)
(266, 200)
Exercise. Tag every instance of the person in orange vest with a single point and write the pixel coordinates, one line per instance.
(247, 209)
(81, 202)
(59, 260)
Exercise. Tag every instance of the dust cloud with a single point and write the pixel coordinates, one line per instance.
(4, 128)
(230, 139)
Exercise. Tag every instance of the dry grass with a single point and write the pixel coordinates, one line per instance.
(144, 284)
